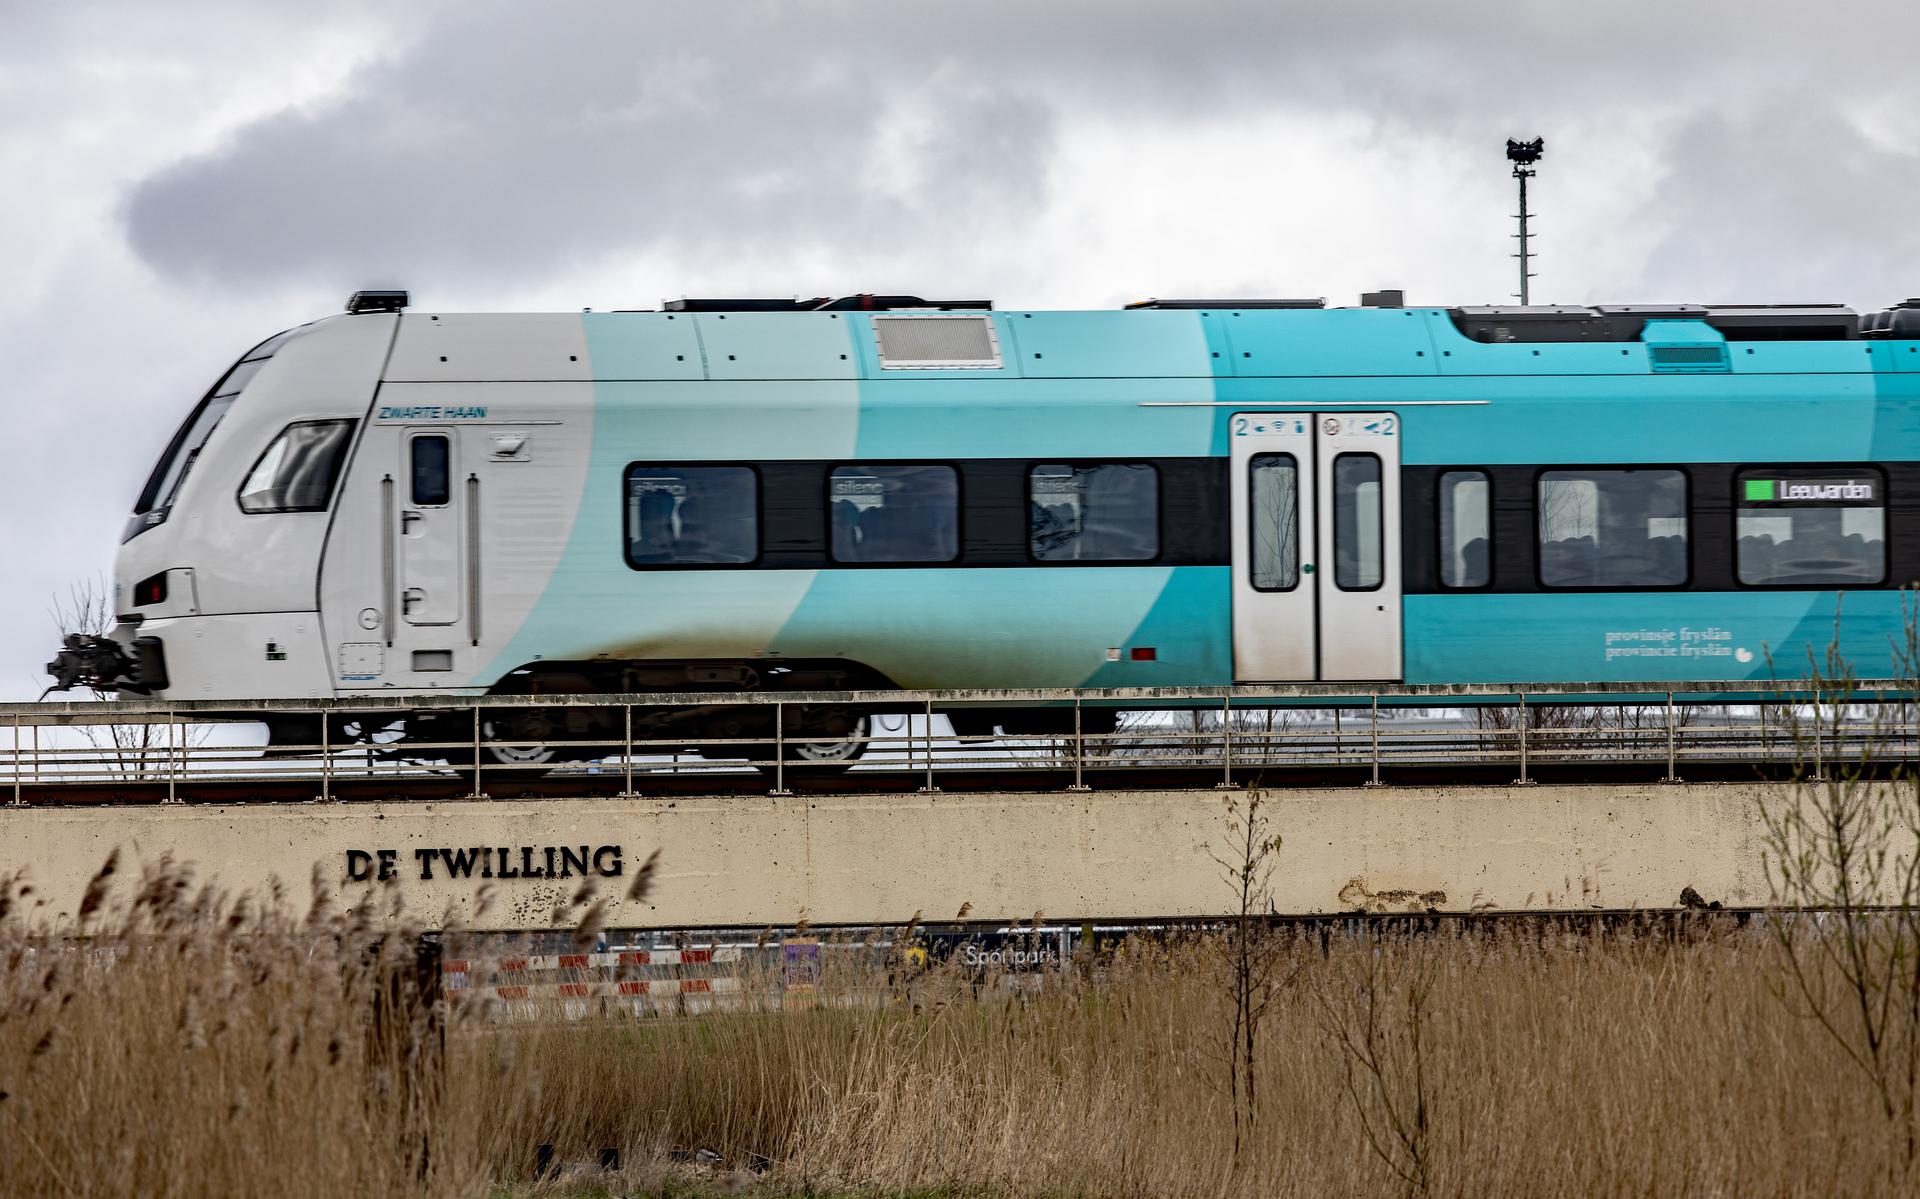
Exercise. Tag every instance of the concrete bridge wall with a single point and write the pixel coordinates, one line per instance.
(1108, 855)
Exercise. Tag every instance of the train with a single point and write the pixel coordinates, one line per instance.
(880, 492)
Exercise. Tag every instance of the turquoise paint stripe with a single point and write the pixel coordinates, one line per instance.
(1033, 419)
(1830, 401)
(1651, 637)
(1030, 627)
(593, 603)
(1666, 418)
(1190, 630)
(1035, 626)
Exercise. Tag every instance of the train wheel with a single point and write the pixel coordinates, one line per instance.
(527, 761)
(522, 761)
(817, 759)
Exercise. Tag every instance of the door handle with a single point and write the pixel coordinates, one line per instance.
(410, 597)
(407, 519)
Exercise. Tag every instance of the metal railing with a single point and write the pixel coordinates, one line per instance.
(479, 746)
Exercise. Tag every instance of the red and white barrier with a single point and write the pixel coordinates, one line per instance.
(617, 977)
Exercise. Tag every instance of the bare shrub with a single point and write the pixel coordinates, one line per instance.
(1843, 864)
(1375, 1009)
(1580, 731)
(1249, 954)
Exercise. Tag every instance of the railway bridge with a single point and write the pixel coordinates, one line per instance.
(1577, 798)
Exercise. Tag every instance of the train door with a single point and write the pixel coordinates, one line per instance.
(1316, 546)
(1275, 597)
(431, 546)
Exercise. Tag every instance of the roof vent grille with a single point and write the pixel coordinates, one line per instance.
(1681, 359)
(937, 343)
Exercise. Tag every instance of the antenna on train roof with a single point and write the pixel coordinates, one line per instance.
(1523, 156)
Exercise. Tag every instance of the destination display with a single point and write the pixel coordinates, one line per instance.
(1833, 490)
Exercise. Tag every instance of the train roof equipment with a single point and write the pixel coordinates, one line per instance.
(389, 300)
(1489, 324)
(1625, 322)
(854, 303)
(1229, 305)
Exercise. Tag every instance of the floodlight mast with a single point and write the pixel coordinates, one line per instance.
(1523, 156)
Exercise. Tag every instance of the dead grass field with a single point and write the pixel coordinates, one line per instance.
(192, 1047)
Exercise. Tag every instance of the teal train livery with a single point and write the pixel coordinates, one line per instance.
(888, 492)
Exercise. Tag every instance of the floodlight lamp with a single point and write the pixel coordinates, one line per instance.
(1526, 153)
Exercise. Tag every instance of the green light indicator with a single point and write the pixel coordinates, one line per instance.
(1759, 490)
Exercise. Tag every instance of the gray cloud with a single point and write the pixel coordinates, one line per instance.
(1796, 191)
(510, 143)
(500, 149)
(186, 178)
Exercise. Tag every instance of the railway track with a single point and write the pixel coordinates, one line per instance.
(1294, 736)
(448, 785)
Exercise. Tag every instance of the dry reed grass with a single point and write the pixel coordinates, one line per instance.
(192, 1045)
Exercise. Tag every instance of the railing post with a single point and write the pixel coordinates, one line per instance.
(1079, 751)
(173, 767)
(1226, 782)
(326, 759)
(1524, 725)
(929, 788)
(1673, 775)
(477, 792)
(1819, 735)
(1375, 730)
(779, 749)
(626, 758)
(17, 800)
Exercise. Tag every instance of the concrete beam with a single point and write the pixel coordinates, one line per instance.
(1112, 855)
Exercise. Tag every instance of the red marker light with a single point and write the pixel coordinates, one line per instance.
(1145, 653)
(150, 590)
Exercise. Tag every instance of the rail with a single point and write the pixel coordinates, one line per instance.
(481, 747)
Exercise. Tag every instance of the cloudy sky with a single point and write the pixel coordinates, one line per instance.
(179, 180)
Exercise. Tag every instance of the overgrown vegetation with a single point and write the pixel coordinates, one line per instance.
(193, 1045)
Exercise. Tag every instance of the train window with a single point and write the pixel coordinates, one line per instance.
(297, 471)
(1613, 528)
(692, 515)
(1465, 531)
(895, 513)
(1273, 483)
(1810, 526)
(1103, 513)
(1357, 522)
(431, 458)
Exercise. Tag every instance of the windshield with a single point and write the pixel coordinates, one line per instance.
(163, 485)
